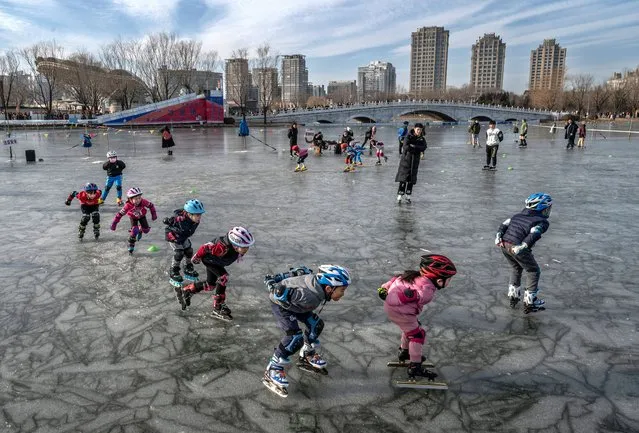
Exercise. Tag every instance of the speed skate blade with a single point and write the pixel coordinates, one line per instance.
(306, 367)
(395, 364)
(282, 392)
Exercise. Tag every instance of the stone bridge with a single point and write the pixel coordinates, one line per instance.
(385, 112)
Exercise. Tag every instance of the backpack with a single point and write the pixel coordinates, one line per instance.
(500, 136)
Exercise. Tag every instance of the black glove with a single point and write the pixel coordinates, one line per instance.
(67, 202)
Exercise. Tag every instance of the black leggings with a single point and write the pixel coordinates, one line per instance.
(405, 188)
(491, 154)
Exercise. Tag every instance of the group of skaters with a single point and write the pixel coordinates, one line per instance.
(296, 295)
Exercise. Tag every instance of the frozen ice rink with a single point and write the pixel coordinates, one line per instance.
(93, 340)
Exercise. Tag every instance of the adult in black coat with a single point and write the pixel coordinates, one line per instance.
(292, 137)
(414, 145)
(571, 131)
(167, 140)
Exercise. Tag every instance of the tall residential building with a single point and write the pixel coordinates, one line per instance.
(294, 80)
(375, 81)
(428, 59)
(487, 60)
(342, 92)
(237, 81)
(547, 66)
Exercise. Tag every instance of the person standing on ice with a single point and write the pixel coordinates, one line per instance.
(135, 208)
(216, 256)
(114, 168)
(414, 145)
(179, 228)
(405, 296)
(516, 237)
(167, 140)
(294, 296)
(292, 137)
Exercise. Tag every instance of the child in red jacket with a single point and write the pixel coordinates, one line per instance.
(404, 298)
(90, 205)
(135, 208)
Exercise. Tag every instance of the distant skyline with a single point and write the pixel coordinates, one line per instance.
(338, 36)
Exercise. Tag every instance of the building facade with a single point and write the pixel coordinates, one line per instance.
(294, 80)
(428, 59)
(265, 81)
(342, 92)
(237, 82)
(488, 56)
(547, 66)
(376, 81)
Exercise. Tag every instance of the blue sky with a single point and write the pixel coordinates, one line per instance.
(338, 36)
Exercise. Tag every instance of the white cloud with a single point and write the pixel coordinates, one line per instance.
(156, 10)
(11, 23)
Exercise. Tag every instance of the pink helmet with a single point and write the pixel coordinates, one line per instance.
(134, 192)
(240, 237)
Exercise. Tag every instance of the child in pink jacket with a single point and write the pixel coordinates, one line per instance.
(135, 208)
(404, 298)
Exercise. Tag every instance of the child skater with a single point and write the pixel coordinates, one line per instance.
(89, 204)
(135, 208)
(301, 154)
(294, 296)
(86, 143)
(379, 146)
(350, 156)
(404, 298)
(516, 237)
(114, 168)
(179, 228)
(215, 256)
(359, 149)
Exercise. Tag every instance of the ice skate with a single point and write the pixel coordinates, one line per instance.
(96, 231)
(311, 361)
(275, 377)
(378, 163)
(175, 278)
(131, 249)
(420, 378)
(486, 167)
(118, 201)
(403, 360)
(190, 273)
(297, 169)
(220, 309)
(303, 168)
(180, 297)
(81, 230)
(532, 303)
(514, 293)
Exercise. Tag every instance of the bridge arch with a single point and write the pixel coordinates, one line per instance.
(482, 118)
(362, 119)
(437, 115)
(323, 121)
(510, 120)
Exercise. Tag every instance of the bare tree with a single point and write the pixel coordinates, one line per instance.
(188, 56)
(9, 64)
(87, 81)
(155, 57)
(633, 92)
(238, 81)
(579, 90)
(209, 63)
(41, 60)
(619, 99)
(549, 99)
(119, 58)
(265, 77)
(599, 97)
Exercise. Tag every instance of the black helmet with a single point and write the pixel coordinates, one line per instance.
(406, 122)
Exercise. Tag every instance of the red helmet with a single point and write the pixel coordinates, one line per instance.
(295, 148)
(435, 266)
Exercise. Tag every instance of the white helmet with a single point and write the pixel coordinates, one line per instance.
(111, 154)
(348, 128)
(133, 192)
(241, 237)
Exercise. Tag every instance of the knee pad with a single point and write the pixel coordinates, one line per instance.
(96, 217)
(134, 231)
(417, 335)
(85, 219)
(188, 252)
(178, 255)
(223, 280)
(315, 327)
(118, 188)
(145, 230)
(295, 344)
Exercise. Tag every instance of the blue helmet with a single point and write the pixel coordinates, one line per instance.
(91, 187)
(333, 276)
(194, 206)
(538, 201)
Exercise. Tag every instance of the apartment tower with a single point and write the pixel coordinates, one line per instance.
(547, 66)
(487, 60)
(428, 59)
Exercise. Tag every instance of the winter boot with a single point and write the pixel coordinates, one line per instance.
(416, 371)
(310, 357)
(303, 168)
(532, 304)
(514, 293)
(180, 297)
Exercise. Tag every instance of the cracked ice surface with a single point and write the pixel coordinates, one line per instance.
(94, 341)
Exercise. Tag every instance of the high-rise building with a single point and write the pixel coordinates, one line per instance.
(294, 80)
(237, 81)
(487, 60)
(342, 92)
(547, 66)
(428, 59)
(375, 81)
(316, 90)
